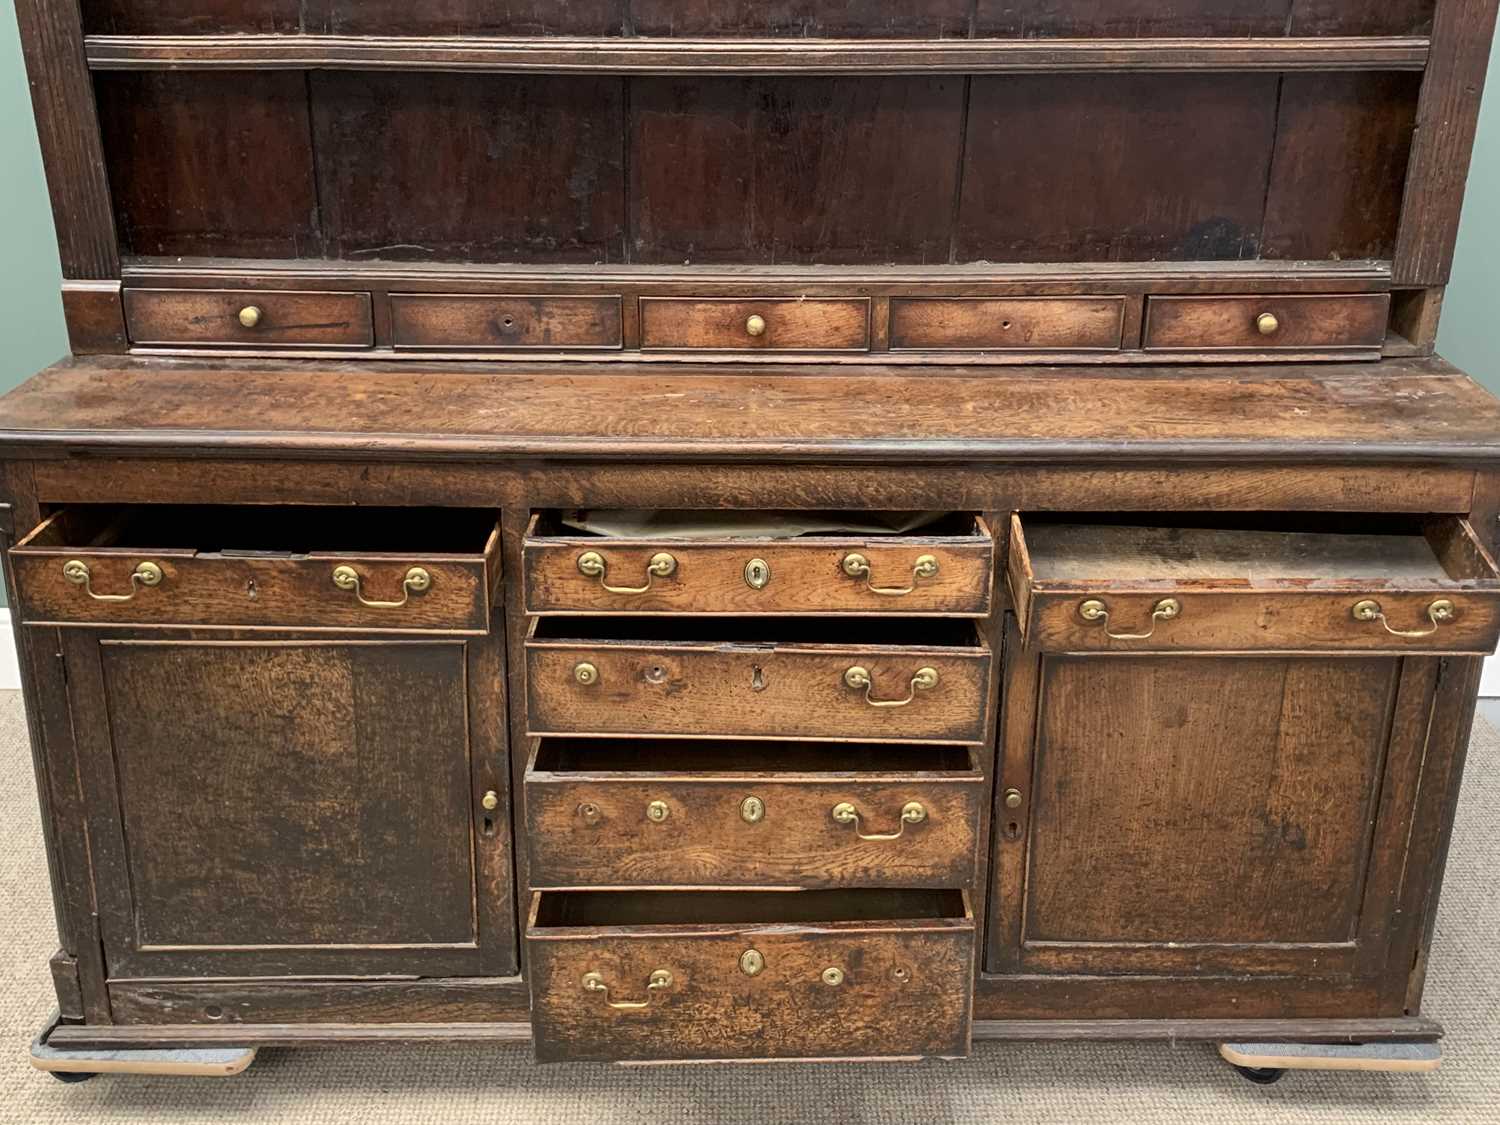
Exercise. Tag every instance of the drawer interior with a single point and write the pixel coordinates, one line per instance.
(838, 632)
(635, 756)
(1296, 549)
(689, 525)
(576, 909)
(267, 531)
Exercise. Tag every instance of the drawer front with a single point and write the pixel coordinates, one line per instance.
(907, 575)
(904, 990)
(1271, 323)
(727, 690)
(249, 318)
(1008, 324)
(689, 324)
(798, 832)
(448, 321)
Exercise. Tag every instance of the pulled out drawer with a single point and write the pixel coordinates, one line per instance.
(885, 681)
(944, 568)
(762, 324)
(1266, 324)
(638, 813)
(396, 570)
(1418, 585)
(249, 318)
(684, 975)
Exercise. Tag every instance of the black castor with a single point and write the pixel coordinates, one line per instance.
(72, 1075)
(1261, 1075)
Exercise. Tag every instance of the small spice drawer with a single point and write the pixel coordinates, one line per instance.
(692, 975)
(248, 318)
(1413, 585)
(1355, 322)
(443, 321)
(944, 569)
(640, 813)
(761, 324)
(1007, 323)
(924, 681)
(310, 568)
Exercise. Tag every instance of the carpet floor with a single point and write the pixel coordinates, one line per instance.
(1014, 1083)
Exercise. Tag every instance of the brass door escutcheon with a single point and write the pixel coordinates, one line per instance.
(855, 565)
(657, 812)
(657, 983)
(1094, 611)
(833, 976)
(752, 810)
(757, 574)
(146, 574)
(913, 812)
(923, 679)
(417, 581)
(591, 564)
(752, 962)
(1439, 613)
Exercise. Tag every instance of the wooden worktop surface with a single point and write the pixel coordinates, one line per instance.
(1399, 410)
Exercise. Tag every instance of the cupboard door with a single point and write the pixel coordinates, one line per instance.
(1205, 814)
(296, 807)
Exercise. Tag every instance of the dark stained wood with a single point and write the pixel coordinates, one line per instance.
(281, 319)
(1361, 17)
(793, 170)
(240, 163)
(464, 17)
(443, 321)
(1027, 323)
(190, 17)
(422, 1007)
(1234, 323)
(1200, 196)
(1130, 18)
(829, 19)
(683, 324)
(1447, 117)
(95, 317)
(538, 160)
(1403, 410)
(1342, 146)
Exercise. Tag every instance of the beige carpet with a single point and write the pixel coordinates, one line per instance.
(1002, 1084)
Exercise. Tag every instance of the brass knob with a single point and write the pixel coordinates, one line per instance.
(657, 811)
(1012, 798)
(752, 961)
(490, 801)
(1268, 324)
(756, 325)
(250, 316)
(833, 975)
(585, 673)
(752, 810)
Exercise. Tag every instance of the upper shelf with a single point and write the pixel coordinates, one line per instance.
(750, 56)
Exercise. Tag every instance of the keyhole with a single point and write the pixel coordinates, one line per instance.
(757, 678)
(1012, 831)
(656, 674)
(252, 591)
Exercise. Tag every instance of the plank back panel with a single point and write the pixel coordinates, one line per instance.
(884, 19)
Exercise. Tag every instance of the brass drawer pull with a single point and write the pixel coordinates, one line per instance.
(417, 581)
(913, 812)
(1439, 613)
(1268, 324)
(250, 316)
(922, 680)
(756, 325)
(856, 565)
(1094, 610)
(76, 571)
(592, 565)
(659, 982)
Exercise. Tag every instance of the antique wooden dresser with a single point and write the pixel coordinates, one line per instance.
(723, 530)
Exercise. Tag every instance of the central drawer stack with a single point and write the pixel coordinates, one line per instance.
(746, 841)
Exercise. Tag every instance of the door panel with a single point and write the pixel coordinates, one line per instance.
(286, 807)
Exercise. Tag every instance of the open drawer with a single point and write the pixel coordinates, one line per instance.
(643, 813)
(421, 570)
(1417, 585)
(681, 975)
(739, 563)
(887, 681)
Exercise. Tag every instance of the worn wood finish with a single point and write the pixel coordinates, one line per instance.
(219, 316)
(432, 321)
(95, 317)
(760, 688)
(1235, 323)
(806, 575)
(217, 588)
(906, 990)
(819, 19)
(463, 17)
(587, 825)
(1252, 591)
(683, 324)
(1026, 323)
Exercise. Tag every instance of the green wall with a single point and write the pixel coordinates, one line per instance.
(31, 325)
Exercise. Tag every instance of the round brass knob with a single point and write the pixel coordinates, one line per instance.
(833, 975)
(585, 673)
(1012, 798)
(490, 801)
(1268, 324)
(657, 811)
(756, 325)
(250, 316)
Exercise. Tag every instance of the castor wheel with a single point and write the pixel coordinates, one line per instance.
(1261, 1075)
(71, 1076)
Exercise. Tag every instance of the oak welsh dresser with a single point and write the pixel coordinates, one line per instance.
(708, 529)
